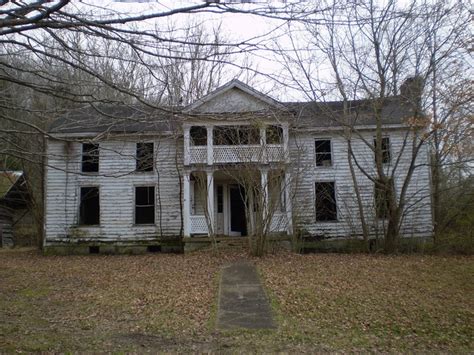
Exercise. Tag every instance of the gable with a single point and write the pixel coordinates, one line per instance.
(233, 100)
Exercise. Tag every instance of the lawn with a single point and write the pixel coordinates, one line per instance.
(322, 302)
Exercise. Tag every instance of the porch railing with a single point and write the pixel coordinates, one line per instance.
(237, 154)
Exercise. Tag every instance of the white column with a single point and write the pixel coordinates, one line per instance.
(210, 199)
(288, 205)
(264, 173)
(187, 151)
(186, 205)
(286, 139)
(210, 145)
(263, 144)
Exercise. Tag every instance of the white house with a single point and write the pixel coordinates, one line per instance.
(134, 176)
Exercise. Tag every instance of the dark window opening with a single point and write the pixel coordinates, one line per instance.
(145, 205)
(236, 135)
(198, 135)
(90, 158)
(326, 209)
(94, 250)
(144, 157)
(274, 135)
(220, 199)
(323, 152)
(89, 211)
(382, 193)
(385, 149)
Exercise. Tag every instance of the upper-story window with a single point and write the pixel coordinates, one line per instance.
(386, 156)
(323, 152)
(198, 135)
(274, 135)
(90, 158)
(145, 157)
(236, 135)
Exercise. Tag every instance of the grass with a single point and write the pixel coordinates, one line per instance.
(322, 302)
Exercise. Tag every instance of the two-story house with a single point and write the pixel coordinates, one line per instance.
(134, 176)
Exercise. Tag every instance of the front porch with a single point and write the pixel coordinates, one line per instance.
(220, 203)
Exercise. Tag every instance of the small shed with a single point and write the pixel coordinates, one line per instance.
(14, 197)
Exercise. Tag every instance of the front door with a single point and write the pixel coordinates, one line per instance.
(238, 223)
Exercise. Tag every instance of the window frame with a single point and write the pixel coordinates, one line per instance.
(84, 154)
(336, 212)
(137, 160)
(316, 153)
(378, 216)
(80, 204)
(135, 205)
(384, 152)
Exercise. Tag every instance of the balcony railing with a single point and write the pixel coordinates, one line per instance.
(237, 154)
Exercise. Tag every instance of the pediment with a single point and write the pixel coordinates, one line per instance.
(233, 97)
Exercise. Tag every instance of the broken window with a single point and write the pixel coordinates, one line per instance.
(323, 152)
(274, 135)
(385, 149)
(89, 210)
(198, 135)
(144, 205)
(90, 158)
(381, 195)
(236, 135)
(144, 157)
(326, 209)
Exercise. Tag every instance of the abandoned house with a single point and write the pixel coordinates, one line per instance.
(230, 163)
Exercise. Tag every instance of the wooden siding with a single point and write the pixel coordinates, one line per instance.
(417, 220)
(116, 181)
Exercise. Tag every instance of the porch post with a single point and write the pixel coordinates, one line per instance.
(210, 200)
(286, 139)
(264, 173)
(210, 145)
(263, 145)
(186, 205)
(187, 151)
(288, 205)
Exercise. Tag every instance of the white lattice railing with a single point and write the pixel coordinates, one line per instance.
(198, 225)
(198, 154)
(275, 153)
(279, 222)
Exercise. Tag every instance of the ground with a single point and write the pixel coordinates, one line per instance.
(322, 302)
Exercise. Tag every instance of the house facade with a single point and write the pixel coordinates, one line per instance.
(235, 162)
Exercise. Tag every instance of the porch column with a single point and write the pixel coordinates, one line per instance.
(187, 151)
(186, 205)
(264, 173)
(286, 139)
(210, 200)
(210, 145)
(288, 205)
(263, 145)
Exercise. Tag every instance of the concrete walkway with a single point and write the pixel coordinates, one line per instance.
(242, 300)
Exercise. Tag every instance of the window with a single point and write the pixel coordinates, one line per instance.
(144, 157)
(220, 199)
(274, 135)
(90, 158)
(144, 205)
(326, 209)
(236, 135)
(381, 196)
(89, 209)
(385, 149)
(198, 135)
(323, 152)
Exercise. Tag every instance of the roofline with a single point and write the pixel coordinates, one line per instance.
(235, 83)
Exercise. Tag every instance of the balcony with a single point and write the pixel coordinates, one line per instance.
(217, 145)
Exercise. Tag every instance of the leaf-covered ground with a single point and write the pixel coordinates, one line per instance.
(160, 302)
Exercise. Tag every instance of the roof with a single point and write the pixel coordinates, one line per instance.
(13, 190)
(115, 119)
(395, 110)
(141, 119)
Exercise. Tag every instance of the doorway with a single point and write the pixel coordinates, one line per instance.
(238, 221)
